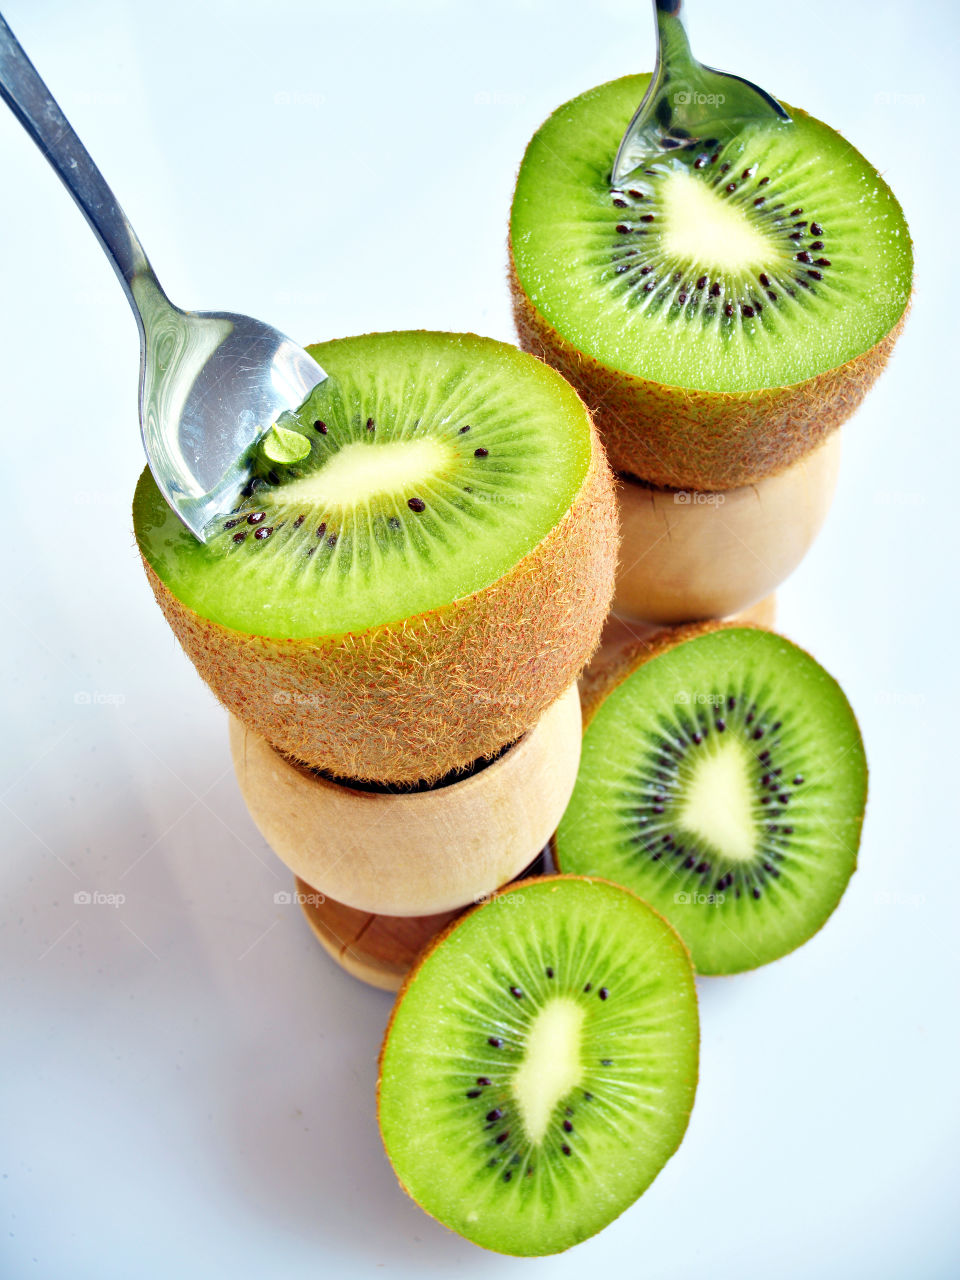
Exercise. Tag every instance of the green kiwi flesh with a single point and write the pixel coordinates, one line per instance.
(540, 1065)
(756, 261)
(424, 470)
(724, 780)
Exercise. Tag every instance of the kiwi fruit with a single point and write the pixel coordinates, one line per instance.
(418, 587)
(540, 1064)
(723, 779)
(726, 307)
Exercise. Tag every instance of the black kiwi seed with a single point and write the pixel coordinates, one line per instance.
(299, 521)
(603, 993)
(549, 972)
(416, 504)
(702, 282)
(816, 229)
(474, 1093)
(320, 426)
(495, 1114)
(566, 1150)
(759, 200)
(803, 256)
(332, 540)
(621, 204)
(817, 244)
(567, 1127)
(371, 426)
(815, 275)
(795, 213)
(728, 309)
(239, 537)
(482, 1080)
(516, 993)
(495, 1042)
(637, 195)
(502, 1137)
(647, 217)
(231, 524)
(715, 289)
(464, 429)
(731, 186)
(265, 532)
(481, 453)
(623, 228)
(588, 987)
(321, 528)
(256, 517)
(822, 262)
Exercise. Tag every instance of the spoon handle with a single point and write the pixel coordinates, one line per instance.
(34, 106)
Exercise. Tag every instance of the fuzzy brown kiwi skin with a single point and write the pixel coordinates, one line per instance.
(428, 951)
(678, 438)
(415, 700)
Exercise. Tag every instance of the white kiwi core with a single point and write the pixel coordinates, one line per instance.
(719, 801)
(703, 228)
(551, 1064)
(360, 471)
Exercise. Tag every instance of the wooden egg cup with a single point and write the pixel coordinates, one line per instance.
(379, 950)
(687, 557)
(414, 853)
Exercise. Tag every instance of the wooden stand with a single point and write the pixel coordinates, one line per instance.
(687, 557)
(418, 853)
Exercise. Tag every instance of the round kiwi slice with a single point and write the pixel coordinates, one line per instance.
(727, 306)
(723, 778)
(540, 1065)
(419, 568)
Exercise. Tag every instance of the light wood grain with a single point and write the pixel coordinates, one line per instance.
(687, 557)
(417, 853)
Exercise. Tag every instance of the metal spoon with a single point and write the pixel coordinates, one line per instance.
(211, 382)
(687, 102)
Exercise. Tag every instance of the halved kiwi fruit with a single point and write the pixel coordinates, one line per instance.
(726, 307)
(540, 1065)
(723, 779)
(415, 590)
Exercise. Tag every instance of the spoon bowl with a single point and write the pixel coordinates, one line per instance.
(211, 382)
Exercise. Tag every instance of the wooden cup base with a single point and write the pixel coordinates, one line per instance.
(379, 950)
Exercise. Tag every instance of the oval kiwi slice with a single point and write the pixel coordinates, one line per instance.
(769, 259)
(723, 778)
(540, 1065)
(419, 568)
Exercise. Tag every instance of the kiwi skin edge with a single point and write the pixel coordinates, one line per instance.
(442, 937)
(414, 700)
(682, 438)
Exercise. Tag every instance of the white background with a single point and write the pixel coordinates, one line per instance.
(188, 1082)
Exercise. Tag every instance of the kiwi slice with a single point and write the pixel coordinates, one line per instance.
(730, 303)
(722, 778)
(419, 567)
(540, 1064)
